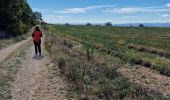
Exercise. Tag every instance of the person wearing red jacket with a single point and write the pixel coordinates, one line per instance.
(37, 34)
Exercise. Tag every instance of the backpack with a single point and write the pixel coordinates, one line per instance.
(37, 36)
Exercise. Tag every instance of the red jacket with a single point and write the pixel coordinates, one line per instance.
(37, 36)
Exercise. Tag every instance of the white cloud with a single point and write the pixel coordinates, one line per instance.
(61, 17)
(168, 4)
(40, 10)
(129, 17)
(132, 10)
(166, 15)
(73, 10)
(83, 10)
(163, 15)
(124, 10)
(55, 18)
(127, 14)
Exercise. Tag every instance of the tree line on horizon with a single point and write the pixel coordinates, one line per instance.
(16, 17)
(106, 24)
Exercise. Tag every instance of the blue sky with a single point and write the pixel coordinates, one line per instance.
(101, 11)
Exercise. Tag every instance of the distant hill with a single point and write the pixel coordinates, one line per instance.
(146, 24)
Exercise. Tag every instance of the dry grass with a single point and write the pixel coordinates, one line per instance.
(6, 42)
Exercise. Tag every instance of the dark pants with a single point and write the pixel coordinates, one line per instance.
(37, 47)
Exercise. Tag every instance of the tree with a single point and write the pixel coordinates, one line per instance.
(108, 24)
(98, 25)
(15, 17)
(37, 17)
(67, 24)
(141, 25)
(44, 26)
(88, 24)
(131, 25)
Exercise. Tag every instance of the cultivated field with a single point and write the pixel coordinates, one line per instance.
(149, 47)
(113, 62)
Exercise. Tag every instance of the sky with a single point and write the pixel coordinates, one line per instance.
(102, 11)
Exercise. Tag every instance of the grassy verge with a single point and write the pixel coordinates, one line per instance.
(6, 42)
(94, 75)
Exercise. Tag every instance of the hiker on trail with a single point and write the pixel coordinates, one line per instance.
(37, 34)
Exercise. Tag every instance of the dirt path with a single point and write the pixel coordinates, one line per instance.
(4, 53)
(33, 81)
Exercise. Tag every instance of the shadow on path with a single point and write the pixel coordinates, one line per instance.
(37, 57)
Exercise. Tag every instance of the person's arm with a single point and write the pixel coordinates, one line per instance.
(32, 34)
(41, 34)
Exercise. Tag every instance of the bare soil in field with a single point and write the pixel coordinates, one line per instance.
(153, 82)
(34, 79)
